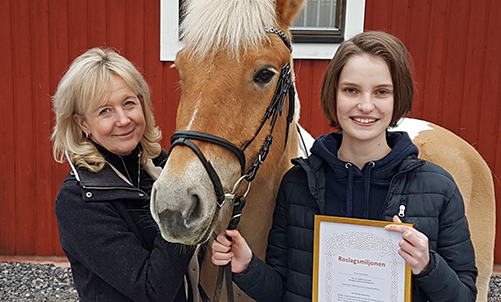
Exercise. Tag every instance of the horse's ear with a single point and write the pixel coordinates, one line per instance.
(287, 11)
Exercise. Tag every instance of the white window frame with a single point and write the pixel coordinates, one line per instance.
(170, 44)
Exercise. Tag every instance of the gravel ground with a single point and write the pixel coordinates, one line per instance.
(46, 282)
(494, 289)
(36, 282)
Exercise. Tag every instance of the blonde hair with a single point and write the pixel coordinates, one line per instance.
(85, 85)
(230, 25)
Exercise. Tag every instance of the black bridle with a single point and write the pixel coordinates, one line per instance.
(183, 137)
(284, 87)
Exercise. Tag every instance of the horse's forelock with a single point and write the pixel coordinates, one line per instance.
(230, 25)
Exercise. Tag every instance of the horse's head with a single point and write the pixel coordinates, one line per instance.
(229, 70)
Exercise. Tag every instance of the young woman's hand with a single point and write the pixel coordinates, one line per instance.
(237, 251)
(413, 246)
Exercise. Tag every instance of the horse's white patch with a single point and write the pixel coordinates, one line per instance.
(412, 126)
(193, 116)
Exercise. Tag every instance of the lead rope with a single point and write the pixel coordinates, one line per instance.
(284, 87)
(225, 271)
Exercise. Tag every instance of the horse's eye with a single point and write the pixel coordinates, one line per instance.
(263, 76)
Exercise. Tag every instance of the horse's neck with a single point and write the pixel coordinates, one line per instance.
(264, 188)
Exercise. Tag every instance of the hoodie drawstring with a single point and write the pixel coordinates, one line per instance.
(367, 188)
(349, 190)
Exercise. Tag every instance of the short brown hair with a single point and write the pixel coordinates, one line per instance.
(380, 44)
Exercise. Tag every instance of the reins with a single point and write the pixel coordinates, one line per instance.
(184, 137)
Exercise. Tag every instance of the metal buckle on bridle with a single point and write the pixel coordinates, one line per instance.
(231, 196)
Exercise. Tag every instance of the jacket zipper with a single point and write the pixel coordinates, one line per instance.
(401, 212)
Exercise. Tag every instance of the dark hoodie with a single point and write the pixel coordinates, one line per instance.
(349, 189)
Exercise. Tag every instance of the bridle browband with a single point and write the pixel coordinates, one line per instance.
(183, 137)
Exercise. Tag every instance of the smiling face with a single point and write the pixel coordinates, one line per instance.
(117, 124)
(365, 99)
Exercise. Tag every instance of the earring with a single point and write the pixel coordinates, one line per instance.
(87, 135)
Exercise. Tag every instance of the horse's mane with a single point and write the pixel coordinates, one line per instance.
(230, 25)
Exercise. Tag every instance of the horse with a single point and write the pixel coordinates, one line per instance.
(234, 56)
(474, 179)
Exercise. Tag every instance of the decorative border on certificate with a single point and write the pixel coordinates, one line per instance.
(357, 260)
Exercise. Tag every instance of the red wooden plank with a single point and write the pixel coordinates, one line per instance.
(378, 16)
(78, 33)
(23, 130)
(153, 67)
(416, 38)
(455, 73)
(96, 23)
(115, 29)
(60, 55)
(309, 74)
(59, 60)
(490, 106)
(321, 123)
(433, 76)
(135, 32)
(8, 230)
(401, 12)
(474, 71)
(41, 103)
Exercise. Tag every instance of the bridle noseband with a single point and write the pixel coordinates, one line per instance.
(183, 137)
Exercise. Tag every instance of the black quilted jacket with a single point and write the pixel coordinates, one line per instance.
(432, 203)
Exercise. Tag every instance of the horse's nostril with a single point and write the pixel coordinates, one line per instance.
(188, 218)
(167, 215)
(195, 211)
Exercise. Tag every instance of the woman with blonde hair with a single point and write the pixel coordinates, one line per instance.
(106, 130)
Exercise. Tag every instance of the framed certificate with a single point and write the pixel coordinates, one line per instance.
(357, 260)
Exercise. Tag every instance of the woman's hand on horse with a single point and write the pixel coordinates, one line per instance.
(236, 250)
(413, 246)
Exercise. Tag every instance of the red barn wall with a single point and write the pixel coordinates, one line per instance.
(455, 46)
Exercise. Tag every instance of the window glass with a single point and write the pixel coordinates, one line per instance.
(320, 21)
(317, 13)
